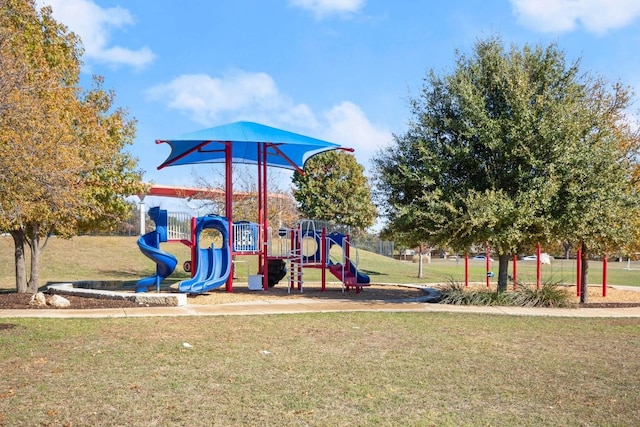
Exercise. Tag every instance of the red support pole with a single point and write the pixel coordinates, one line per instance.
(228, 205)
(194, 247)
(605, 263)
(347, 251)
(538, 267)
(488, 262)
(466, 269)
(260, 208)
(515, 271)
(579, 272)
(323, 258)
(265, 220)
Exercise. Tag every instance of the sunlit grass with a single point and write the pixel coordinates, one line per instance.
(118, 258)
(321, 369)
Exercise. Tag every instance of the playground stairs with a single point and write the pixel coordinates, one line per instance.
(296, 273)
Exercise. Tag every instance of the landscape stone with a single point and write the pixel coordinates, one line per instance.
(38, 299)
(58, 301)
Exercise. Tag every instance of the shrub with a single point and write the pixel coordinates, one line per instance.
(549, 295)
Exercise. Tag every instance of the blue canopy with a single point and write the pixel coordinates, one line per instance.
(284, 149)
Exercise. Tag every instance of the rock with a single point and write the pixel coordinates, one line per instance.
(38, 300)
(57, 301)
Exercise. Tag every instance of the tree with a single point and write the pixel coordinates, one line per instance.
(281, 206)
(496, 150)
(597, 205)
(409, 240)
(334, 188)
(62, 168)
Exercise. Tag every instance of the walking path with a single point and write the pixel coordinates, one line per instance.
(307, 305)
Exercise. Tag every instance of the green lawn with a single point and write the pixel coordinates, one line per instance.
(118, 258)
(330, 369)
(326, 369)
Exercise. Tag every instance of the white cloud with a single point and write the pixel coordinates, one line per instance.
(324, 8)
(235, 95)
(240, 95)
(596, 16)
(347, 125)
(94, 25)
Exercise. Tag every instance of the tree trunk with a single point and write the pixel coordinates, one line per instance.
(567, 250)
(503, 272)
(584, 290)
(20, 261)
(420, 272)
(34, 279)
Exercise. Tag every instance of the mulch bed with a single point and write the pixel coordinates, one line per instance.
(13, 300)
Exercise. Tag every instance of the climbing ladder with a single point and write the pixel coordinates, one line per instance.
(303, 246)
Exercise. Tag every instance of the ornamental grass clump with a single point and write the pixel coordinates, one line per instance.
(548, 295)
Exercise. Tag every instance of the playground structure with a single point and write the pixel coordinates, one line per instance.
(300, 247)
(289, 250)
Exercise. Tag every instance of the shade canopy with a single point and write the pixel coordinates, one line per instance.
(284, 149)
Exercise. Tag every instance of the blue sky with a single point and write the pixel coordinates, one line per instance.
(340, 70)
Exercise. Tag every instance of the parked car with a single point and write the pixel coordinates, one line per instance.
(545, 258)
(481, 257)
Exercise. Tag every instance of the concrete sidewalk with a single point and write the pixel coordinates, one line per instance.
(308, 305)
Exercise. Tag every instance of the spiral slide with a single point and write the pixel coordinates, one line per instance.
(149, 245)
(165, 262)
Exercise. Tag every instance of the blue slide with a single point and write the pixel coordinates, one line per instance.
(213, 265)
(149, 244)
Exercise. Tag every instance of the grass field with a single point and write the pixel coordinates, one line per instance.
(345, 369)
(325, 369)
(118, 258)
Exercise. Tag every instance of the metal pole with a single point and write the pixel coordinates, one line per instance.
(143, 217)
(323, 258)
(228, 205)
(466, 269)
(515, 271)
(605, 263)
(265, 219)
(260, 210)
(488, 263)
(538, 267)
(579, 272)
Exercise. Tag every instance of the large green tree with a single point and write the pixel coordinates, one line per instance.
(499, 151)
(62, 164)
(334, 188)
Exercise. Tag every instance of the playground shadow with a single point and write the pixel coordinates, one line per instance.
(332, 291)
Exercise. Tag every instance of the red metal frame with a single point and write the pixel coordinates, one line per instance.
(466, 269)
(262, 170)
(579, 272)
(323, 258)
(488, 262)
(228, 205)
(194, 248)
(515, 272)
(538, 267)
(605, 263)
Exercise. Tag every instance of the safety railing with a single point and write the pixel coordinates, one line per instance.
(246, 236)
